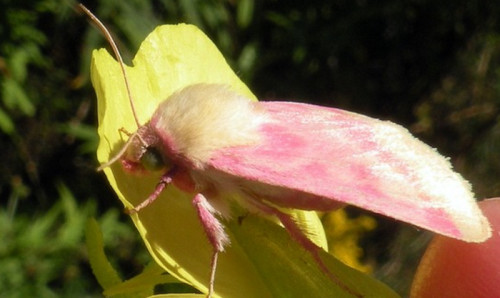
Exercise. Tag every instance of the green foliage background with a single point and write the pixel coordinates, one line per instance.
(432, 66)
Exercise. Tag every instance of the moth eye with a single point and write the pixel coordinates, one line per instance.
(152, 160)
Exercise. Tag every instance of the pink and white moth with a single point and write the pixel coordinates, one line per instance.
(269, 156)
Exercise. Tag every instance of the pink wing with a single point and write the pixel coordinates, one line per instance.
(313, 157)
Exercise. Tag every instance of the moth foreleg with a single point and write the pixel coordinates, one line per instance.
(165, 180)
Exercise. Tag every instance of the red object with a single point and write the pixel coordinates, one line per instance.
(453, 268)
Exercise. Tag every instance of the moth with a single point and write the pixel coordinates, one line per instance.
(268, 157)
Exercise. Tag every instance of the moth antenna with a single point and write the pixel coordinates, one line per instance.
(108, 36)
(119, 154)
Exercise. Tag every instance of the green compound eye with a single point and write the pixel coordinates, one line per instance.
(152, 160)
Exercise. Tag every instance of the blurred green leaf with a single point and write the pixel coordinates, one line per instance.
(32, 250)
(244, 12)
(6, 124)
(247, 58)
(14, 96)
(84, 133)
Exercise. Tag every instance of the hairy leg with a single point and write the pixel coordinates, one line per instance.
(215, 233)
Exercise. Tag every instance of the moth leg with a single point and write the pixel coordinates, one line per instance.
(296, 233)
(214, 231)
(164, 181)
(122, 129)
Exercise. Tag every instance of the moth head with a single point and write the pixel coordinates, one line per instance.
(141, 153)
